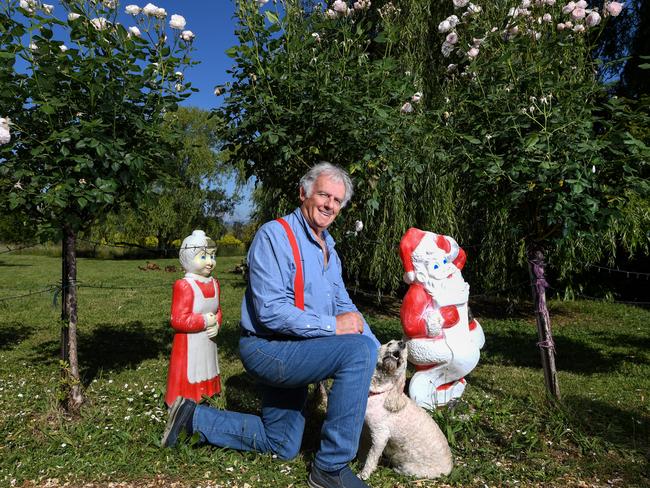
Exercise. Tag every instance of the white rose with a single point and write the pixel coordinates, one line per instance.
(161, 13)
(547, 18)
(33, 46)
(134, 31)
(27, 5)
(187, 35)
(330, 14)
(593, 19)
(446, 49)
(407, 108)
(340, 6)
(452, 38)
(110, 3)
(5, 134)
(100, 23)
(579, 28)
(48, 8)
(550, 3)
(177, 22)
(474, 9)
(472, 53)
(132, 10)
(150, 9)
(261, 2)
(218, 91)
(453, 20)
(358, 226)
(73, 16)
(568, 8)
(444, 26)
(416, 97)
(460, 3)
(581, 4)
(63, 48)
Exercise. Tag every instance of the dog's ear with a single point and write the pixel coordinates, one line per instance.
(395, 400)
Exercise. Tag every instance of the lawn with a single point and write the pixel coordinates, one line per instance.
(502, 433)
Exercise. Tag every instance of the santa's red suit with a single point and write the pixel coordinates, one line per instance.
(193, 367)
(443, 344)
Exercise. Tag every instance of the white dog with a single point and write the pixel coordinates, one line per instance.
(405, 433)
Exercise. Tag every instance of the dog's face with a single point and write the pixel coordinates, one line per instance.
(391, 363)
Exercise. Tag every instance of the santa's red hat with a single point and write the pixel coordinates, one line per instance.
(410, 241)
(407, 245)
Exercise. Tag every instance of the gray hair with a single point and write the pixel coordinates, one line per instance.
(336, 173)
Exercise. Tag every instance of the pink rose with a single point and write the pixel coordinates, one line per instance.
(614, 8)
(578, 13)
(593, 19)
(472, 53)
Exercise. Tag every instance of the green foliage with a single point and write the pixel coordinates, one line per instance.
(309, 88)
(87, 118)
(548, 153)
(194, 196)
(500, 432)
(522, 146)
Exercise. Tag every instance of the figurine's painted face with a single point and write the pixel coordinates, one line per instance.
(440, 266)
(204, 262)
(431, 261)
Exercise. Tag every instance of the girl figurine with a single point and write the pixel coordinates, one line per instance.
(196, 318)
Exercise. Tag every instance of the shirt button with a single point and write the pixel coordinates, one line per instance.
(308, 325)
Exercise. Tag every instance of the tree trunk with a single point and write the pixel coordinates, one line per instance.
(546, 345)
(73, 395)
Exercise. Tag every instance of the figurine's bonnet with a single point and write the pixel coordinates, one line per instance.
(191, 246)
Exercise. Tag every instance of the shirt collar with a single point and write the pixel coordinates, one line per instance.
(329, 240)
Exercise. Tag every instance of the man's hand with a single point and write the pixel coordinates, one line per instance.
(349, 323)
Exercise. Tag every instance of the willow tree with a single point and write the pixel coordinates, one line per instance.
(552, 159)
(315, 82)
(87, 133)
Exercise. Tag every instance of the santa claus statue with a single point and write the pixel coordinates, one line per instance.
(196, 320)
(443, 341)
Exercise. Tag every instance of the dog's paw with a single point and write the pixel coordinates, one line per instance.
(365, 474)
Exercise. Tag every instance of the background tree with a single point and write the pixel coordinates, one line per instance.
(89, 132)
(552, 159)
(312, 84)
(193, 196)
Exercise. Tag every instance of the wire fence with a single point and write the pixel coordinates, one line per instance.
(492, 293)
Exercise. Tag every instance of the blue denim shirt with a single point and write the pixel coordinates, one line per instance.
(268, 305)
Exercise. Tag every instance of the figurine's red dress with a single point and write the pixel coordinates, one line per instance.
(193, 367)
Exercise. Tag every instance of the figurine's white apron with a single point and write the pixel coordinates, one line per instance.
(202, 361)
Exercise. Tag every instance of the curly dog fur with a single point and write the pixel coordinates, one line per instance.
(405, 433)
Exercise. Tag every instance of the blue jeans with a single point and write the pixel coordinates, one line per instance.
(285, 368)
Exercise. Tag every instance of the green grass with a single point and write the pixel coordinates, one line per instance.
(502, 433)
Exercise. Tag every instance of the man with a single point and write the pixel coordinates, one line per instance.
(296, 332)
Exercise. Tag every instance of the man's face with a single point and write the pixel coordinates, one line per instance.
(323, 205)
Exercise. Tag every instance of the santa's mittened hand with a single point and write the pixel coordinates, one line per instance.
(213, 331)
(434, 323)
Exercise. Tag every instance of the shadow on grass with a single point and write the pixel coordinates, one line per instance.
(12, 334)
(4, 264)
(623, 428)
(519, 348)
(112, 347)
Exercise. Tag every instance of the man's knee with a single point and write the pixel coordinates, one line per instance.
(286, 451)
(360, 348)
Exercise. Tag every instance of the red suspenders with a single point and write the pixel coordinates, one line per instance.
(298, 282)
